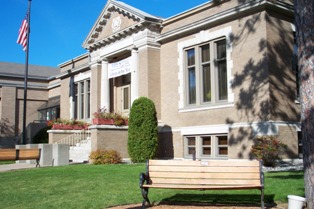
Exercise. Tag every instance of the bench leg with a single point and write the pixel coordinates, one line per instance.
(37, 163)
(262, 199)
(145, 197)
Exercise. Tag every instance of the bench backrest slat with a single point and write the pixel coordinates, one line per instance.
(214, 163)
(19, 154)
(154, 174)
(204, 169)
(7, 154)
(28, 154)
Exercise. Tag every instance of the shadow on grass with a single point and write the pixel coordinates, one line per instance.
(218, 199)
(293, 176)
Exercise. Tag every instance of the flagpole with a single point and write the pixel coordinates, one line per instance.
(26, 74)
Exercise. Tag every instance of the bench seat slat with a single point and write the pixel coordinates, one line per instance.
(220, 175)
(202, 187)
(206, 181)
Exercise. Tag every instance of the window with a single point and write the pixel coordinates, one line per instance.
(206, 146)
(82, 100)
(126, 98)
(206, 73)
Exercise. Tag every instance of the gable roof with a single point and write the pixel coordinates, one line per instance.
(141, 19)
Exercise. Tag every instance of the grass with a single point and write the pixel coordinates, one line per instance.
(101, 186)
(6, 162)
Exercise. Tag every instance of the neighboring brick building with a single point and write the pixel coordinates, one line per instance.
(12, 100)
(219, 75)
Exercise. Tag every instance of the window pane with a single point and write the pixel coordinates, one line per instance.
(222, 140)
(206, 151)
(192, 86)
(190, 57)
(75, 100)
(82, 100)
(126, 98)
(206, 140)
(88, 99)
(191, 150)
(191, 141)
(205, 53)
(222, 145)
(206, 84)
(222, 80)
(221, 49)
(223, 150)
(222, 70)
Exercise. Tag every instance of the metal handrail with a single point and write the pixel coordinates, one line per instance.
(76, 138)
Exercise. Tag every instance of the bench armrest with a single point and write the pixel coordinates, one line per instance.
(144, 179)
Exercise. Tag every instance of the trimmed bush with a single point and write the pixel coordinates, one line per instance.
(268, 149)
(143, 130)
(105, 157)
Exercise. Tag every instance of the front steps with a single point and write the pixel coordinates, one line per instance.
(80, 152)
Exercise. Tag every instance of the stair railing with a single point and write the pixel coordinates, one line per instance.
(76, 138)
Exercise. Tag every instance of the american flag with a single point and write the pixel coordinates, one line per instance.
(22, 38)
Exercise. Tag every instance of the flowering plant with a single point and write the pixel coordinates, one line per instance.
(103, 113)
(68, 124)
(117, 118)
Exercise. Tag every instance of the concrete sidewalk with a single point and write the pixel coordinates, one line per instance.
(16, 166)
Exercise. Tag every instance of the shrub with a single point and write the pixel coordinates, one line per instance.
(143, 130)
(268, 149)
(105, 157)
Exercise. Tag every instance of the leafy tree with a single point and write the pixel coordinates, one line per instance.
(304, 20)
(143, 130)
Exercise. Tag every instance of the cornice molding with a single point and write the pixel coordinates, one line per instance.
(75, 70)
(229, 14)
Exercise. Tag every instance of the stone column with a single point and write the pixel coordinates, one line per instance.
(105, 88)
(134, 75)
(95, 86)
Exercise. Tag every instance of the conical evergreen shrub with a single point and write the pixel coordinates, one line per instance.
(143, 130)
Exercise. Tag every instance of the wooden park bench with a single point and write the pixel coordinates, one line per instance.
(20, 154)
(202, 175)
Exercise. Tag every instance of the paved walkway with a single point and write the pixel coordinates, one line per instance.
(16, 166)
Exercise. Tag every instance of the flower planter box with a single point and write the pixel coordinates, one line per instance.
(61, 127)
(103, 121)
(68, 127)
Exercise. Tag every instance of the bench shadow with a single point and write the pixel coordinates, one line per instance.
(245, 200)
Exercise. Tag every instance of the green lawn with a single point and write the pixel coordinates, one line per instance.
(101, 186)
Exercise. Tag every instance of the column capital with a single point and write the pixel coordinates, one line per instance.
(104, 59)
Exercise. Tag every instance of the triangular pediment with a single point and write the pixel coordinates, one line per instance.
(116, 21)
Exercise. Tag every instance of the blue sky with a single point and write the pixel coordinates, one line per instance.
(59, 27)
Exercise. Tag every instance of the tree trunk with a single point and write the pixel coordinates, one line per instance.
(304, 20)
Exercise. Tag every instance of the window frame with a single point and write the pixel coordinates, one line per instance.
(82, 99)
(199, 38)
(198, 67)
(214, 147)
